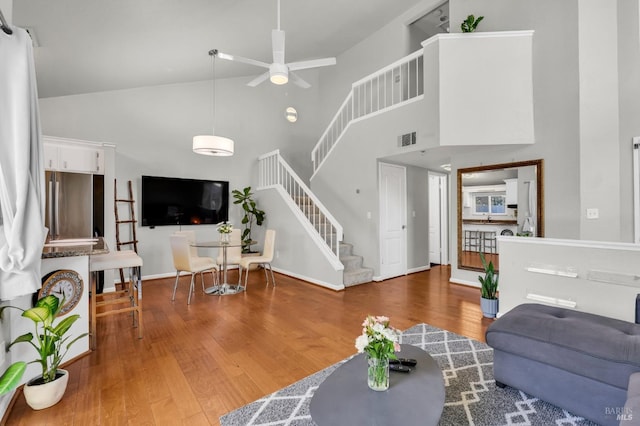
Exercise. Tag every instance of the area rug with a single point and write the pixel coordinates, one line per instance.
(472, 397)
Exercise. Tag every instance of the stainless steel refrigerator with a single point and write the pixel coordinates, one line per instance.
(75, 205)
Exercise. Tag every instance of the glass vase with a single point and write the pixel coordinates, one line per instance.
(224, 237)
(378, 373)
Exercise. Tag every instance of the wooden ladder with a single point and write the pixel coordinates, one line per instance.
(130, 221)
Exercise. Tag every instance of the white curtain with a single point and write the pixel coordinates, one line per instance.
(22, 231)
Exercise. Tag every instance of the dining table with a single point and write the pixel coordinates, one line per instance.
(223, 288)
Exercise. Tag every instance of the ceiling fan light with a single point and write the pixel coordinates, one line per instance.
(212, 145)
(278, 73)
(279, 78)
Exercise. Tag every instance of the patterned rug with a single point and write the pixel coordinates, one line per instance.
(471, 395)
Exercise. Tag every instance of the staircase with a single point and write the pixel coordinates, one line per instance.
(354, 273)
(323, 229)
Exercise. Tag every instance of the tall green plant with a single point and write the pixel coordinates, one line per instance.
(48, 341)
(470, 24)
(489, 283)
(252, 214)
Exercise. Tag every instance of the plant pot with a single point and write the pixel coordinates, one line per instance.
(45, 395)
(489, 307)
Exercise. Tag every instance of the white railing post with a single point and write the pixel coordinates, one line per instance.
(360, 101)
(321, 225)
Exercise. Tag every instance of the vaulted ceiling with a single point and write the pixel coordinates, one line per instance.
(90, 45)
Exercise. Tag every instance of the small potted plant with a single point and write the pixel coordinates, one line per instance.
(489, 288)
(470, 24)
(252, 214)
(51, 344)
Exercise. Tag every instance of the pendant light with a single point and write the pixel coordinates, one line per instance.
(212, 144)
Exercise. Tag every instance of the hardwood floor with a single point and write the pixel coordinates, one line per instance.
(198, 362)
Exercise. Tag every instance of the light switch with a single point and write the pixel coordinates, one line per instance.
(368, 215)
(593, 213)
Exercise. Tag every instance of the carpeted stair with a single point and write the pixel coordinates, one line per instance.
(354, 273)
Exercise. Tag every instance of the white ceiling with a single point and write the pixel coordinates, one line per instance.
(91, 45)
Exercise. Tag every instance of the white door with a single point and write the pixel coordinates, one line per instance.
(438, 223)
(435, 246)
(393, 207)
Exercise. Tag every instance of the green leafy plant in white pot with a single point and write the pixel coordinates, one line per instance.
(489, 289)
(52, 345)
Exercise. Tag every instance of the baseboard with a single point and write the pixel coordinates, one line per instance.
(310, 280)
(278, 270)
(419, 269)
(379, 278)
(464, 282)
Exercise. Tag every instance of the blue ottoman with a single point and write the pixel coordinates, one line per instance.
(577, 361)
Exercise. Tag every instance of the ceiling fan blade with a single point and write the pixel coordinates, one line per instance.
(259, 79)
(243, 60)
(293, 66)
(277, 44)
(298, 81)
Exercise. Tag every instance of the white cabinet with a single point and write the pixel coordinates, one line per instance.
(61, 155)
(512, 191)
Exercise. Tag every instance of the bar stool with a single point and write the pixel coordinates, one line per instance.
(489, 242)
(130, 294)
(472, 240)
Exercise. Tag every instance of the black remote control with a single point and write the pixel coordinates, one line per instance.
(404, 361)
(399, 368)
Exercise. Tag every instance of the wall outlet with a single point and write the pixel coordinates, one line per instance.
(593, 213)
(3, 352)
(277, 254)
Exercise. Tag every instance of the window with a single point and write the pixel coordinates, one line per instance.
(489, 204)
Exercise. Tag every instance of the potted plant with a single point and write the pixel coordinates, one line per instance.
(470, 24)
(252, 214)
(489, 288)
(51, 344)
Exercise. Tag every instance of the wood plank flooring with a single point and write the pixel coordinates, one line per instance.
(198, 362)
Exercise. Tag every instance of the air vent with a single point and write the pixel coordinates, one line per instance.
(407, 139)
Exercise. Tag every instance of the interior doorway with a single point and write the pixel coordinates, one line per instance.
(392, 179)
(438, 222)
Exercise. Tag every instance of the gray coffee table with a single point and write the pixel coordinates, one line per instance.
(416, 398)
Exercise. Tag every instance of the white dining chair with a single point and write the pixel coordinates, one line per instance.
(186, 259)
(264, 259)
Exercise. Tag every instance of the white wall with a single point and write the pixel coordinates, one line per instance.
(296, 254)
(385, 46)
(7, 10)
(348, 184)
(629, 106)
(599, 135)
(152, 128)
(555, 82)
(560, 138)
(598, 277)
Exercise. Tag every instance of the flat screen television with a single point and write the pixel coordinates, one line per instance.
(175, 201)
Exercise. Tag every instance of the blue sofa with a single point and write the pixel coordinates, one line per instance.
(577, 361)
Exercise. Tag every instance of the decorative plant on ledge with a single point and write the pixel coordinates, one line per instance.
(470, 24)
(489, 289)
(251, 214)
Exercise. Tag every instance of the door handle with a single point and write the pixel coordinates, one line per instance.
(404, 226)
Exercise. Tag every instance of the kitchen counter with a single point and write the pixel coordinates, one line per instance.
(74, 247)
(489, 222)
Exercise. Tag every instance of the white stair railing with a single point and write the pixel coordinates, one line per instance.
(274, 172)
(390, 87)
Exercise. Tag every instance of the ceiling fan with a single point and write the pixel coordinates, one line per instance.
(279, 71)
